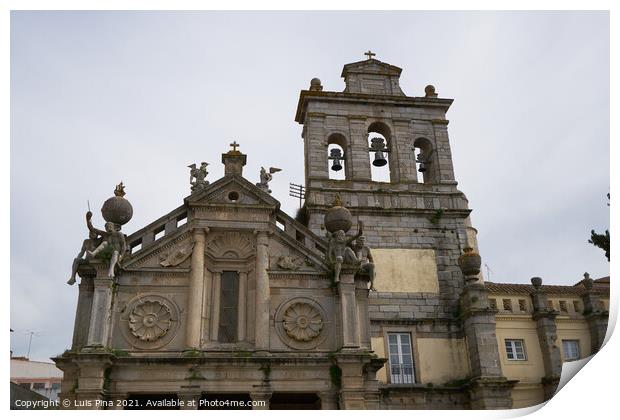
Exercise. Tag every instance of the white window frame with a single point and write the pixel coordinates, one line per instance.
(568, 353)
(402, 373)
(512, 352)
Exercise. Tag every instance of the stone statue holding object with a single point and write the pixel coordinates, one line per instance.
(266, 177)
(116, 211)
(90, 244)
(338, 222)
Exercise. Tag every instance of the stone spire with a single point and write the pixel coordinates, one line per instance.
(233, 160)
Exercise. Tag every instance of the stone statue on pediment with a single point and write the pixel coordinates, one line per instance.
(197, 176)
(362, 251)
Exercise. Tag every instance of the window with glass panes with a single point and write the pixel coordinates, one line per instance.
(401, 360)
(515, 349)
(570, 349)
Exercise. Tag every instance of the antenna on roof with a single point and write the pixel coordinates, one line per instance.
(489, 271)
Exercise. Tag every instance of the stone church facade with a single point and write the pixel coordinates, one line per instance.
(229, 298)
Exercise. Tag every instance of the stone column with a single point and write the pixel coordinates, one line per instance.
(83, 311)
(100, 313)
(196, 286)
(594, 313)
(402, 142)
(242, 305)
(215, 314)
(348, 309)
(262, 291)
(547, 338)
(263, 396)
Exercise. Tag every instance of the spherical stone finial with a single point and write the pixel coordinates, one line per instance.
(315, 85)
(536, 282)
(429, 91)
(117, 209)
(338, 217)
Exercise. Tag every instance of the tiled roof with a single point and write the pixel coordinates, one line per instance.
(600, 285)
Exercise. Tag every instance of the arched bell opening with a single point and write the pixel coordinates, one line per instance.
(337, 157)
(379, 152)
(425, 166)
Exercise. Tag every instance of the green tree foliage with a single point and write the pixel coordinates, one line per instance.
(601, 240)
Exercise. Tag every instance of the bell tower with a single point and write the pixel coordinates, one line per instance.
(373, 123)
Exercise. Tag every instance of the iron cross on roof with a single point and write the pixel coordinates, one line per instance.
(370, 54)
(234, 146)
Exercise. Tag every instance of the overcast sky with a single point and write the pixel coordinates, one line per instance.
(99, 97)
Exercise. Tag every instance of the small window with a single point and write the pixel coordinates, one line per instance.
(550, 305)
(515, 350)
(37, 386)
(492, 303)
(229, 295)
(570, 349)
(507, 304)
(522, 305)
(577, 306)
(401, 360)
(563, 307)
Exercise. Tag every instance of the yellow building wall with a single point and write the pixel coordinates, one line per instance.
(405, 270)
(571, 329)
(530, 370)
(442, 360)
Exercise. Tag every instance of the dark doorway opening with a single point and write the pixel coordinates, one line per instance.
(151, 402)
(225, 402)
(294, 401)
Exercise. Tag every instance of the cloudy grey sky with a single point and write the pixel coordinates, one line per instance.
(99, 97)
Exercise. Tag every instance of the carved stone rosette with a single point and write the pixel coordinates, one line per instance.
(301, 323)
(150, 320)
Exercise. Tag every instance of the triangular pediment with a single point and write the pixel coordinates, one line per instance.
(232, 189)
(371, 67)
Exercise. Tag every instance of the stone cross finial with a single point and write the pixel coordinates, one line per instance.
(234, 146)
(370, 54)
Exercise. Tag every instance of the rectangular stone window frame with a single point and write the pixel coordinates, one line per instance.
(577, 306)
(515, 349)
(522, 305)
(386, 331)
(212, 309)
(563, 307)
(493, 303)
(570, 350)
(401, 366)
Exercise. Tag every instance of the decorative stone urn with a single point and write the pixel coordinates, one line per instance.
(470, 262)
(117, 209)
(536, 282)
(338, 217)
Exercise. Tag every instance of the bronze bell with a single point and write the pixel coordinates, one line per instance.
(377, 144)
(422, 161)
(379, 159)
(335, 155)
(422, 167)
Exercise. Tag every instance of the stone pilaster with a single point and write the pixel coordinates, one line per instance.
(348, 309)
(84, 307)
(100, 313)
(363, 317)
(329, 400)
(264, 396)
(596, 316)
(190, 396)
(488, 389)
(262, 292)
(196, 288)
(547, 338)
(93, 379)
(358, 157)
